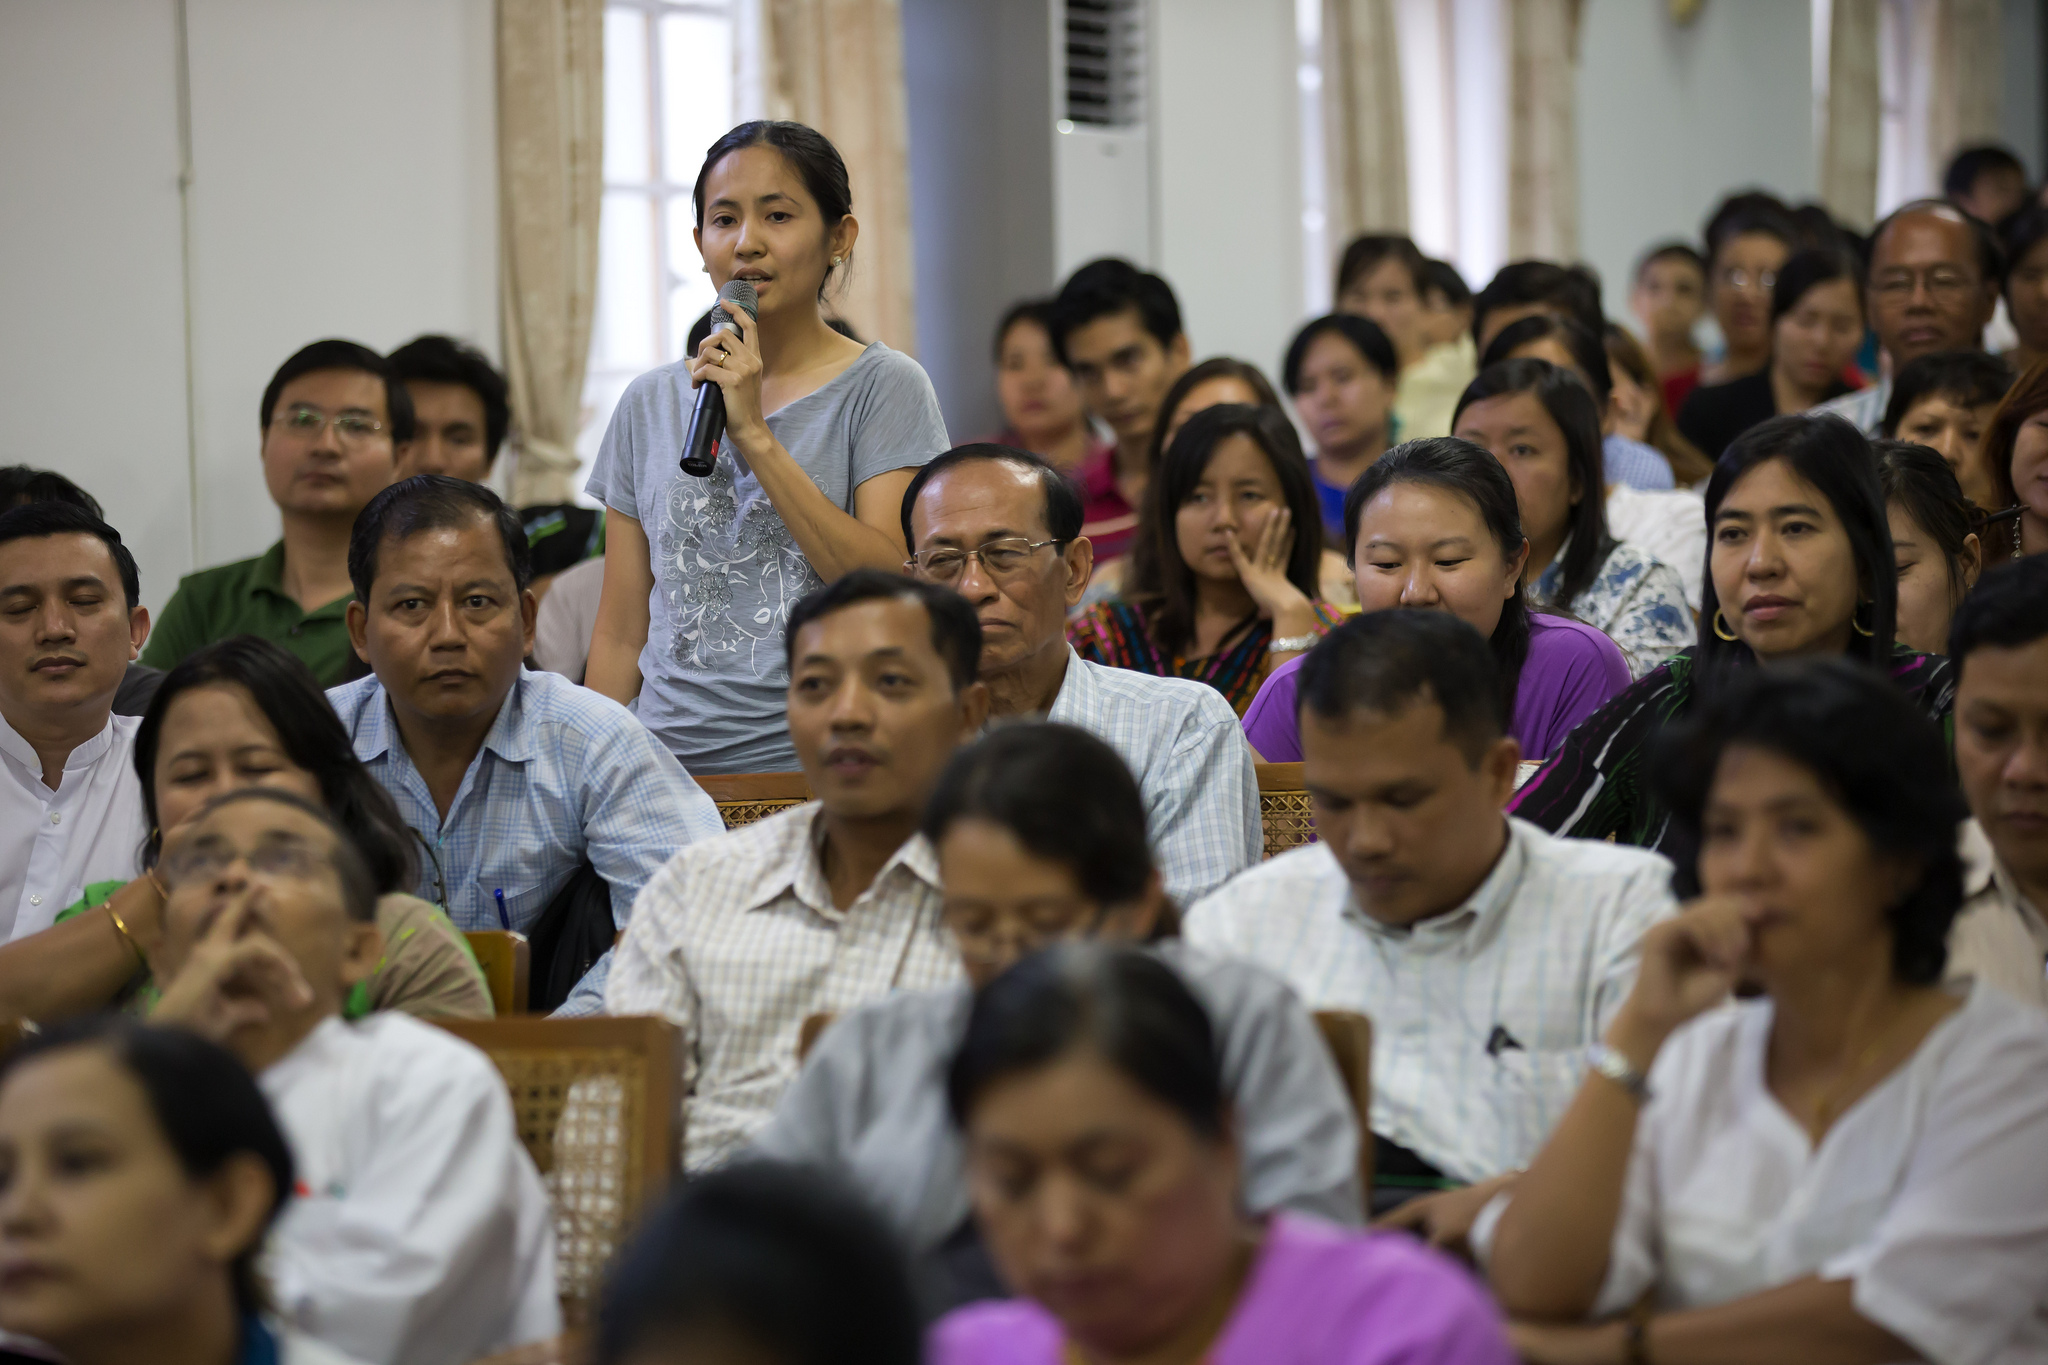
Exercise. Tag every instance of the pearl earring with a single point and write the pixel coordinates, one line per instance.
(835, 260)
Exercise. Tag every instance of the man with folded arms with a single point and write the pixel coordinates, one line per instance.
(1488, 954)
(1002, 528)
(420, 1233)
(821, 908)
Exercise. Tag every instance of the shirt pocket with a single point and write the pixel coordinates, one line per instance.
(1531, 1089)
(523, 902)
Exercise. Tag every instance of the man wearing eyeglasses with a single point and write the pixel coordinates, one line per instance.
(1003, 528)
(335, 418)
(1931, 286)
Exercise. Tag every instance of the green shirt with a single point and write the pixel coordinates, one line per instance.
(248, 598)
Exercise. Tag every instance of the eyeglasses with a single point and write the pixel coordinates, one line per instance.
(999, 559)
(206, 859)
(1943, 281)
(1735, 277)
(350, 428)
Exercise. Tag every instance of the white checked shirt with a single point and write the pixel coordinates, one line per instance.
(1184, 744)
(736, 942)
(54, 844)
(1543, 953)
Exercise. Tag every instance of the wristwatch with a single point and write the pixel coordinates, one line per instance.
(1292, 644)
(1609, 1062)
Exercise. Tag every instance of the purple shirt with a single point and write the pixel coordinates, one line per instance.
(1317, 1294)
(1572, 669)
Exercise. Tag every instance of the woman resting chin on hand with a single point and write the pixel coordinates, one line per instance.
(1846, 1168)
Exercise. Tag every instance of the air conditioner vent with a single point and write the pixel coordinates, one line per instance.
(1106, 62)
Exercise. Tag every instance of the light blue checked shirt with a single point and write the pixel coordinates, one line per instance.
(1633, 463)
(563, 776)
(1544, 951)
(1863, 409)
(1184, 744)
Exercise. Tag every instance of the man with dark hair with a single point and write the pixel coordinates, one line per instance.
(419, 1231)
(1999, 642)
(1488, 954)
(1002, 528)
(1522, 289)
(740, 939)
(335, 421)
(1987, 182)
(1944, 401)
(516, 779)
(1384, 277)
(1118, 329)
(1931, 285)
(460, 408)
(70, 623)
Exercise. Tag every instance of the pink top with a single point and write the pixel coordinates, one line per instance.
(1317, 1295)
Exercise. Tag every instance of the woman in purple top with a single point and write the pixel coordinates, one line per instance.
(1103, 1163)
(1434, 524)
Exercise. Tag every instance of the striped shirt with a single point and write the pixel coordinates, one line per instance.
(1481, 1016)
(736, 942)
(1183, 743)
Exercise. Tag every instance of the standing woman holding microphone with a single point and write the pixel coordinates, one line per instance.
(822, 436)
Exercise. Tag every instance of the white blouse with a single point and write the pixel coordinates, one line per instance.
(1930, 1192)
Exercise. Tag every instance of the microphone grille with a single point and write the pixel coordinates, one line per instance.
(742, 293)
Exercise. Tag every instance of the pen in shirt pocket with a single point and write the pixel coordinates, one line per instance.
(504, 917)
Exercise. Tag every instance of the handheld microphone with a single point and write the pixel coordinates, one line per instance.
(707, 418)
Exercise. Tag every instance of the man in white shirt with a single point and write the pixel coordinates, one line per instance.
(1999, 642)
(420, 1233)
(1488, 954)
(70, 624)
(738, 940)
(1003, 529)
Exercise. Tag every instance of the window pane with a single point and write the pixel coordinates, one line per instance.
(696, 90)
(622, 334)
(690, 291)
(627, 124)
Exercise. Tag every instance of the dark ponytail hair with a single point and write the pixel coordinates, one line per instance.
(1922, 484)
(809, 152)
(1472, 473)
(1571, 407)
(1122, 1003)
(285, 691)
(207, 1105)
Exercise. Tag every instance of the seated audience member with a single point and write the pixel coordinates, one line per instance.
(1669, 297)
(1987, 182)
(335, 421)
(1816, 330)
(2014, 458)
(461, 408)
(1001, 528)
(1117, 330)
(1040, 834)
(1042, 413)
(1931, 285)
(1801, 565)
(514, 779)
(1227, 587)
(422, 1233)
(21, 485)
(1104, 1161)
(1527, 289)
(1566, 343)
(761, 1265)
(1939, 557)
(1540, 423)
(1487, 953)
(1748, 237)
(143, 1169)
(1341, 372)
(2026, 286)
(1945, 401)
(1446, 308)
(1434, 526)
(566, 619)
(2000, 649)
(1386, 280)
(1848, 1165)
(243, 713)
(738, 940)
(71, 620)
(1636, 404)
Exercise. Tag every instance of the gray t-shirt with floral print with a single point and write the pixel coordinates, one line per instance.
(726, 570)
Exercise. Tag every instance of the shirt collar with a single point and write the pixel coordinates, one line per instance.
(1473, 922)
(798, 866)
(510, 738)
(81, 756)
(1984, 872)
(1077, 692)
(268, 577)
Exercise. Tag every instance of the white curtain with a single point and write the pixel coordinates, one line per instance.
(1543, 160)
(1364, 131)
(1850, 123)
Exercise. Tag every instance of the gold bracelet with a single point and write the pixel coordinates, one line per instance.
(126, 937)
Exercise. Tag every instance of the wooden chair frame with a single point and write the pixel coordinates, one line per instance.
(1285, 816)
(1349, 1038)
(744, 798)
(507, 959)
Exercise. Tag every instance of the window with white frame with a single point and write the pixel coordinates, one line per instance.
(668, 95)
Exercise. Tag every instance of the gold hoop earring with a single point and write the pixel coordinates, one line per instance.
(1721, 630)
(1857, 625)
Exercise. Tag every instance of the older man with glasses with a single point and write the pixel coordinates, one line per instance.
(1932, 285)
(1003, 528)
(334, 419)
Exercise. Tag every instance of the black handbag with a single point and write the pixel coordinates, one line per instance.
(568, 938)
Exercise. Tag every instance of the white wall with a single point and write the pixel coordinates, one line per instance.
(1671, 119)
(343, 184)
